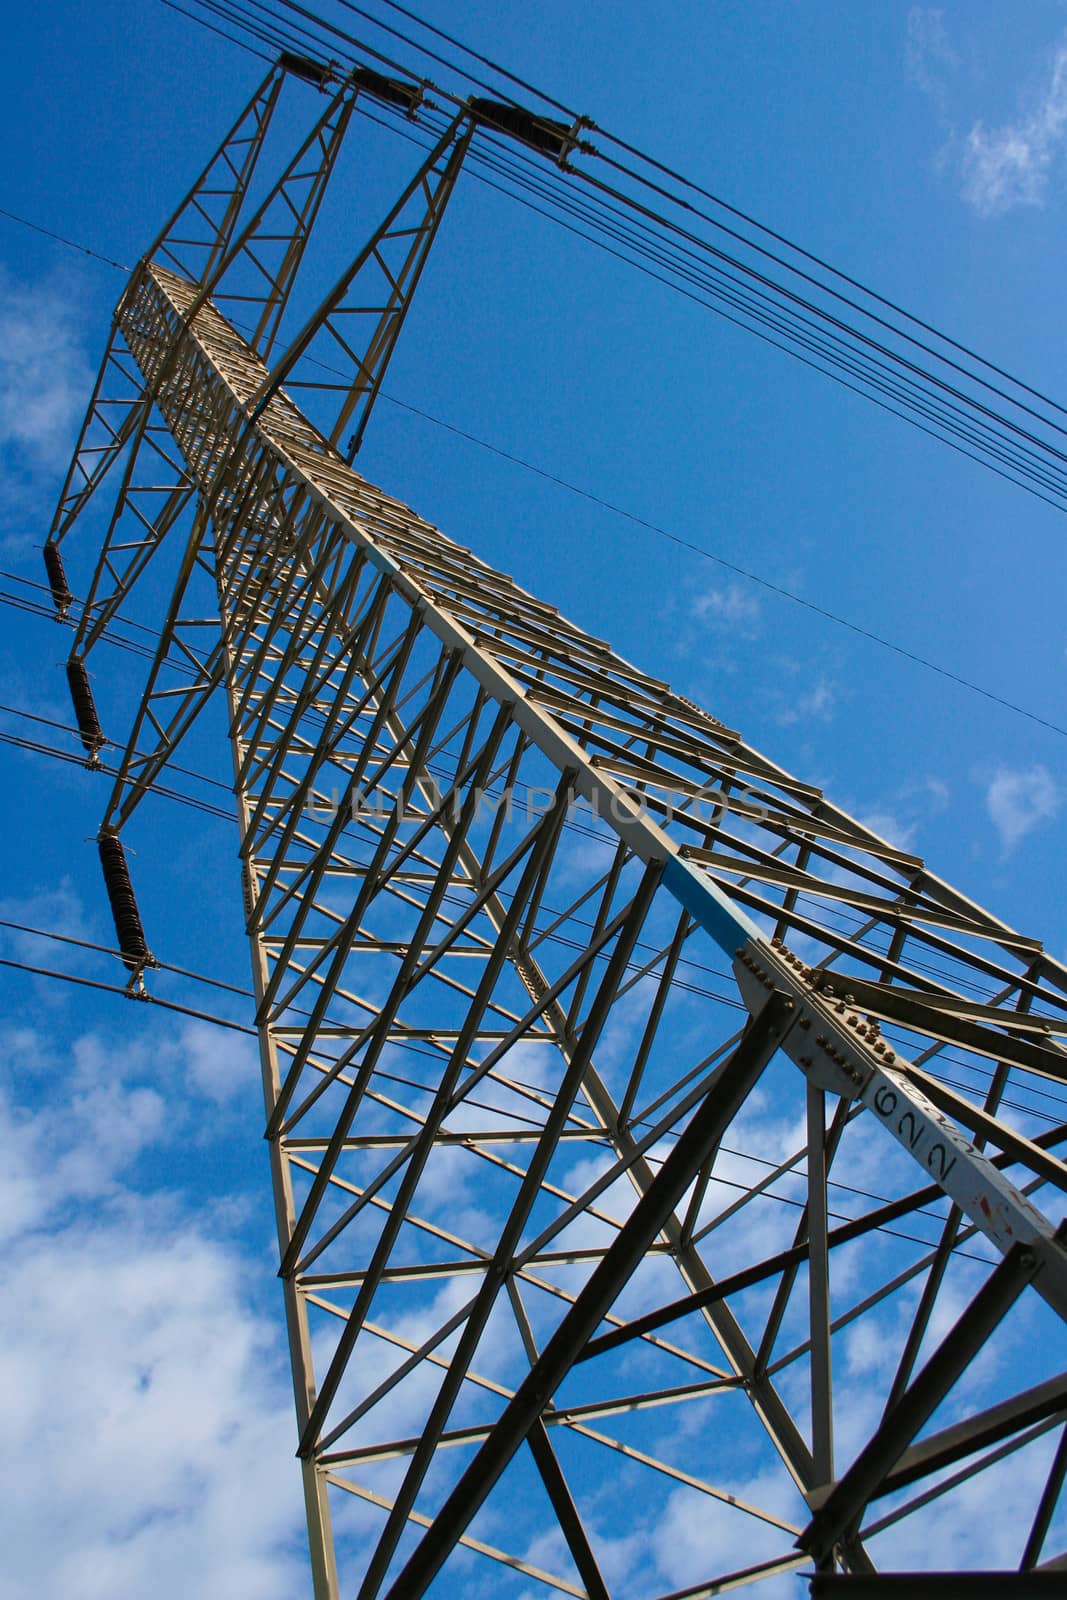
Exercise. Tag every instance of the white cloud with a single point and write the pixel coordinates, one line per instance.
(59, 910)
(888, 826)
(1010, 165)
(62, 1155)
(979, 1525)
(148, 1434)
(1000, 167)
(816, 704)
(219, 1063)
(1018, 801)
(928, 54)
(899, 815)
(936, 792)
(45, 377)
(729, 605)
(148, 1437)
(696, 1537)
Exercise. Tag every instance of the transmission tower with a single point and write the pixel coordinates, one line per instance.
(650, 1140)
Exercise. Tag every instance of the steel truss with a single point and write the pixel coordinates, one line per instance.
(654, 1146)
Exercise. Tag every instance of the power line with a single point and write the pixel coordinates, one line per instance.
(494, 66)
(724, 205)
(241, 44)
(36, 747)
(555, 937)
(1000, 439)
(839, 620)
(743, 572)
(651, 527)
(946, 416)
(114, 988)
(59, 238)
(238, 1027)
(107, 950)
(844, 277)
(66, 727)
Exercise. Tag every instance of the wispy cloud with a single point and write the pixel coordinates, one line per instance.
(706, 625)
(1011, 165)
(728, 605)
(59, 909)
(45, 381)
(45, 374)
(815, 704)
(928, 54)
(221, 1065)
(1019, 800)
(888, 825)
(998, 167)
(900, 815)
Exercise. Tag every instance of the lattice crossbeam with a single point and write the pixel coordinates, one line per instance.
(539, 948)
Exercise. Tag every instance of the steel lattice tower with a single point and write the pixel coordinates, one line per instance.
(520, 1156)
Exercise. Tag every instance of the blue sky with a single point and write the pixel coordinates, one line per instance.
(924, 151)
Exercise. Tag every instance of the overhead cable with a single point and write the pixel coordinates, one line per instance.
(645, 523)
(928, 398)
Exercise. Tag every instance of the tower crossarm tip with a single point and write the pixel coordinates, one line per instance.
(551, 138)
(399, 92)
(318, 73)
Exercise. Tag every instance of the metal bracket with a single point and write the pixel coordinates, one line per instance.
(841, 1051)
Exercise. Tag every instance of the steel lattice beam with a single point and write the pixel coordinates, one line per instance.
(513, 1144)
